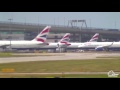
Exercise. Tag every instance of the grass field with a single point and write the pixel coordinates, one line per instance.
(101, 65)
(95, 65)
(60, 76)
(5, 55)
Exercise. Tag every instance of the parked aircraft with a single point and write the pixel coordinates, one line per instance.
(100, 46)
(75, 45)
(38, 41)
(64, 43)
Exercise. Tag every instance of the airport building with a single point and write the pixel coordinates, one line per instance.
(27, 31)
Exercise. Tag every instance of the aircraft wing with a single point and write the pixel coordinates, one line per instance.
(104, 46)
(5, 45)
(45, 43)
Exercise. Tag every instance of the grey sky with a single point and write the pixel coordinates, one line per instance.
(98, 19)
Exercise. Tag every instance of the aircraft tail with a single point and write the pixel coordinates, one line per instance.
(65, 39)
(94, 38)
(42, 36)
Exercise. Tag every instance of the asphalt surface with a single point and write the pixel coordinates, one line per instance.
(56, 56)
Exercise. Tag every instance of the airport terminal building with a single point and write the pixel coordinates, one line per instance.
(27, 31)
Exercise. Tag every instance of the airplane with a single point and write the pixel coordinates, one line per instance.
(101, 46)
(38, 41)
(93, 39)
(98, 46)
(64, 43)
(75, 45)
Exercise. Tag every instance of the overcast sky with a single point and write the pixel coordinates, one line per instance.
(94, 19)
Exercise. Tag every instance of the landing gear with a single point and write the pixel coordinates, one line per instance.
(65, 50)
(60, 49)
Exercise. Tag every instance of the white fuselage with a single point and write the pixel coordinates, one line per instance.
(21, 44)
(93, 45)
(87, 45)
(74, 45)
(34, 45)
(54, 46)
(40, 45)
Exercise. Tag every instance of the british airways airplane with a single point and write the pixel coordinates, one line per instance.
(64, 43)
(100, 46)
(38, 41)
(75, 45)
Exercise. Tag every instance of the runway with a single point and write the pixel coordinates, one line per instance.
(56, 73)
(56, 56)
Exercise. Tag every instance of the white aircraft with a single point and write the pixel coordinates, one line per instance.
(75, 45)
(100, 46)
(65, 44)
(38, 41)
